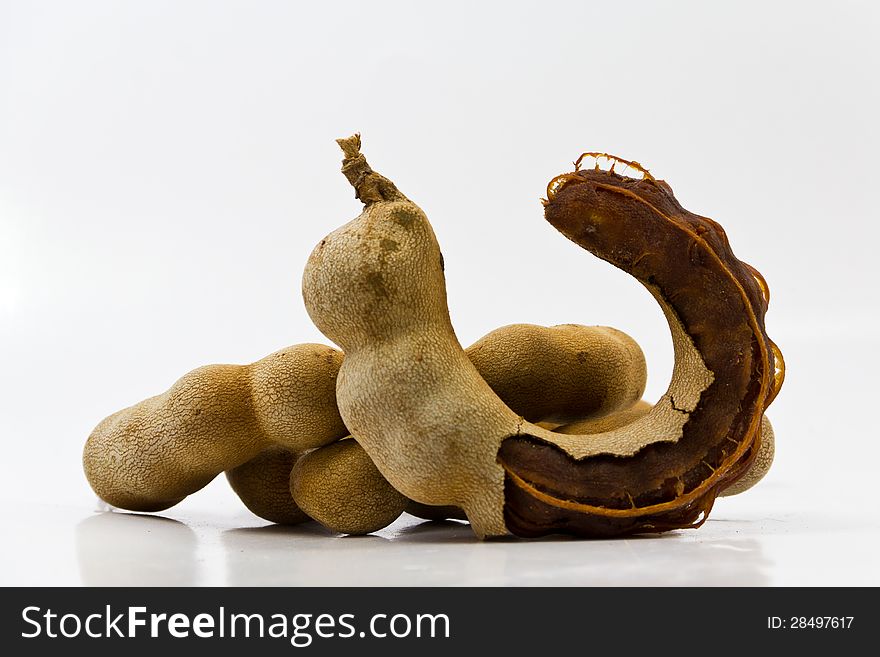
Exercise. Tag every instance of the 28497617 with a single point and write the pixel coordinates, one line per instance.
(810, 622)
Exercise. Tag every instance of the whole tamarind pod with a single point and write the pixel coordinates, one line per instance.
(150, 456)
(440, 435)
(559, 372)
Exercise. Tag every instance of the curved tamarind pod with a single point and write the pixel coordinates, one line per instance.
(559, 372)
(656, 473)
(440, 435)
(150, 456)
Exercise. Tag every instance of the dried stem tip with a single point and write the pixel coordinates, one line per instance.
(369, 186)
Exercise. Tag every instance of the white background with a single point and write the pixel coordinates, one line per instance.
(166, 168)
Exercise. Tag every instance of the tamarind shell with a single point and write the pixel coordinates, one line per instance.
(688, 264)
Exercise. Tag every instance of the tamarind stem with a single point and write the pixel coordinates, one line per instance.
(369, 186)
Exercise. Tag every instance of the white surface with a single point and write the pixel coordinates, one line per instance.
(773, 539)
(165, 169)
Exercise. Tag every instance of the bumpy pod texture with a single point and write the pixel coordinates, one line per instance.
(340, 487)
(542, 373)
(263, 484)
(150, 456)
(561, 373)
(441, 436)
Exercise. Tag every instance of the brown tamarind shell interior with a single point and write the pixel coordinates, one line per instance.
(687, 262)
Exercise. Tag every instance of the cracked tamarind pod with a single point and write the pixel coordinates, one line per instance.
(759, 467)
(440, 435)
(150, 456)
(614, 420)
(715, 305)
(553, 373)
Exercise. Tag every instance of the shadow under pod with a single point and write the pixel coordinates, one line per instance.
(127, 549)
(412, 553)
(668, 559)
(437, 532)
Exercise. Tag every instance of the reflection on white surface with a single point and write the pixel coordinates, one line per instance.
(745, 543)
(127, 549)
(447, 554)
(121, 549)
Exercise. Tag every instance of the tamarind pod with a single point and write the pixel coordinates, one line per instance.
(560, 372)
(340, 487)
(263, 485)
(727, 372)
(150, 456)
(440, 435)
